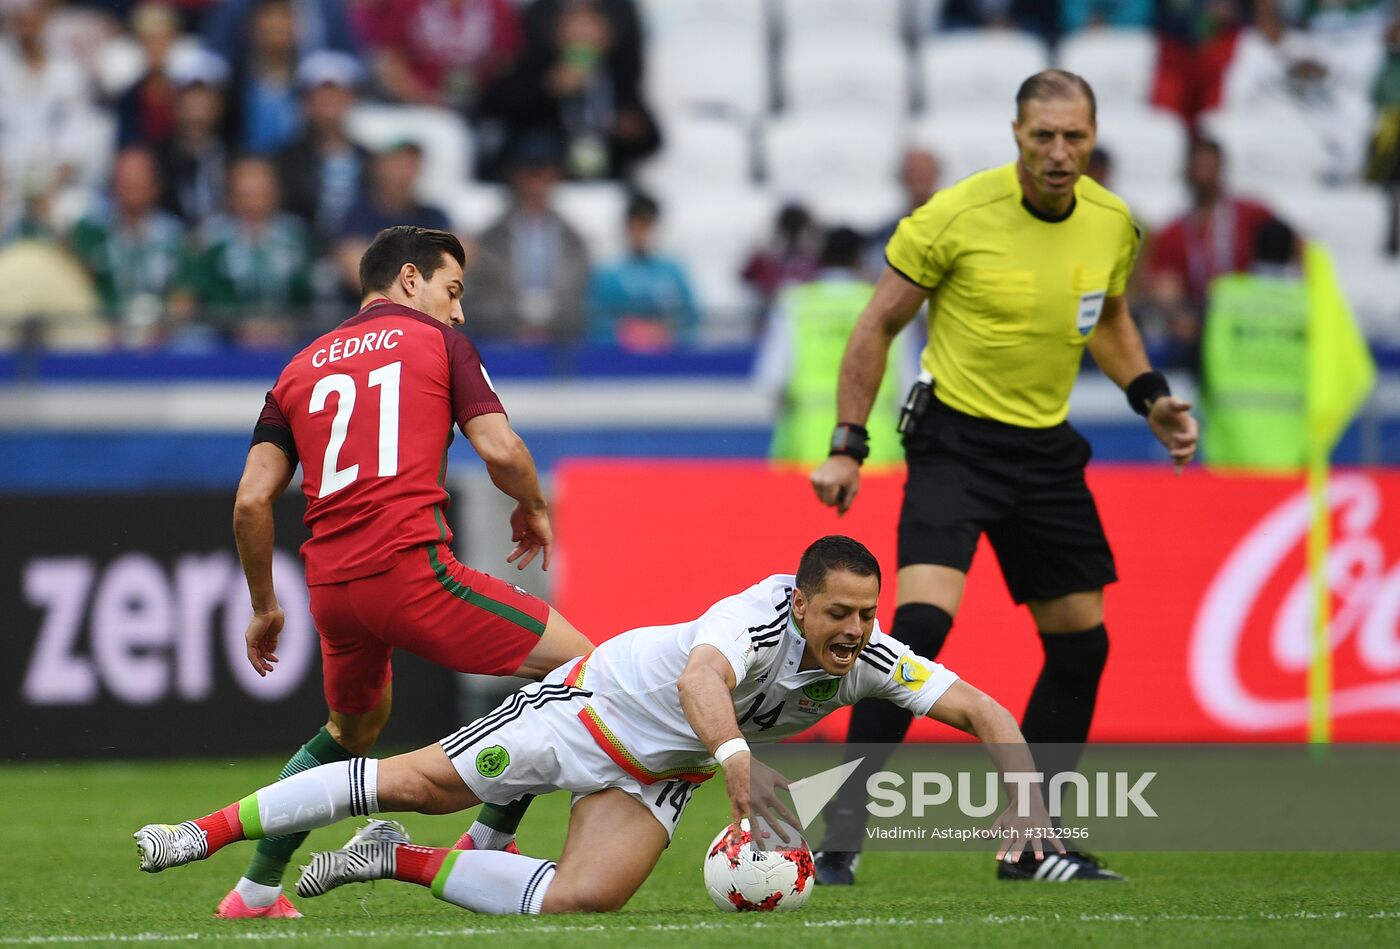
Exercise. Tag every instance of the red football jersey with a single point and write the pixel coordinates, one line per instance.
(368, 409)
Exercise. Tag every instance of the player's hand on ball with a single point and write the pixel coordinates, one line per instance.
(765, 804)
(837, 481)
(1171, 421)
(1034, 829)
(532, 534)
(753, 794)
(262, 635)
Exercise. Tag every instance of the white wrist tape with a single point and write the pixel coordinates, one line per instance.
(729, 749)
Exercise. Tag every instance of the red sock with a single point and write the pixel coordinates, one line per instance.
(420, 865)
(221, 827)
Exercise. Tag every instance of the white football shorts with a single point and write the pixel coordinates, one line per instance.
(534, 742)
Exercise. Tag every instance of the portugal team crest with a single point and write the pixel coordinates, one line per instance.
(490, 762)
(821, 690)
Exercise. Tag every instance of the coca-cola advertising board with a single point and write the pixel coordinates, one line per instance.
(1209, 624)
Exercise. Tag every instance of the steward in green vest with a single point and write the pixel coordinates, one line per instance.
(801, 357)
(1254, 360)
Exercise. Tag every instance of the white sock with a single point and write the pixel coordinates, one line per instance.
(502, 884)
(318, 797)
(489, 838)
(257, 895)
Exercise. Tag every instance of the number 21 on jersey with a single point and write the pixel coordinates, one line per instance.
(386, 379)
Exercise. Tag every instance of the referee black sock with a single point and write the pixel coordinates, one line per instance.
(924, 628)
(1061, 706)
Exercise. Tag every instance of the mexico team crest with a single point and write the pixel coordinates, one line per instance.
(490, 762)
(822, 690)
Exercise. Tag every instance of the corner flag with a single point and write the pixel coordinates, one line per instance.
(1341, 372)
(1340, 376)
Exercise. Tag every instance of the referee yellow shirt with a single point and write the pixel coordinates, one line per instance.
(1014, 297)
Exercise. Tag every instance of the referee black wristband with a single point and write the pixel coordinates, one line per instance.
(1147, 389)
(851, 440)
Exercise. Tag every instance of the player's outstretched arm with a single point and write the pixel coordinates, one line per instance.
(1117, 348)
(706, 686)
(266, 475)
(973, 711)
(512, 471)
(894, 304)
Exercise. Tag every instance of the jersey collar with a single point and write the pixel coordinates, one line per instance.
(382, 306)
(787, 671)
(1042, 216)
(1034, 212)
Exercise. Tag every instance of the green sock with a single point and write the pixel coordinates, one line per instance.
(505, 818)
(270, 860)
(495, 826)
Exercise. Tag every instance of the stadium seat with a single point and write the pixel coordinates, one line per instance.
(968, 140)
(713, 231)
(699, 151)
(924, 16)
(977, 69)
(1120, 64)
(1154, 203)
(596, 210)
(865, 208)
(1370, 281)
(811, 155)
(666, 18)
(1145, 143)
(1350, 220)
(443, 135)
(1267, 149)
(473, 206)
(709, 70)
(709, 55)
(800, 20)
(868, 73)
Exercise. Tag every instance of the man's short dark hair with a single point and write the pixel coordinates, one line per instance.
(1275, 243)
(642, 205)
(842, 247)
(393, 247)
(834, 552)
(1052, 84)
(1204, 143)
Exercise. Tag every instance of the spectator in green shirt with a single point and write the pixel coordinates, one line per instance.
(132, 248)
(251, 272)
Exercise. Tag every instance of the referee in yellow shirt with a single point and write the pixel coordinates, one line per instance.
(1023, 267)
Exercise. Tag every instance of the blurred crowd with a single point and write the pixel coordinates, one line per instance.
(192, 173)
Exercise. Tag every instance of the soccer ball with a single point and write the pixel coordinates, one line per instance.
(741, 878)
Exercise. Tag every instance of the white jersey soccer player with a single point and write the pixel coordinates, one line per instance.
(630, 730)
(624, 696)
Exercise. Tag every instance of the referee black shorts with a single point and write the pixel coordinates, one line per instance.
(1023, 486)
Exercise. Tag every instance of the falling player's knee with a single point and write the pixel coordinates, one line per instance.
(586, 899)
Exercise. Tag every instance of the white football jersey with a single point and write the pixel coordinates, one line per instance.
(635, 709)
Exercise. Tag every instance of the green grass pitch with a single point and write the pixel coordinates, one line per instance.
(68, 877)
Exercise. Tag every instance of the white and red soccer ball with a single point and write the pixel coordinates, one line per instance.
(742, 878)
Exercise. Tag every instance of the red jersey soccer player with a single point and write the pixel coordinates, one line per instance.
(368, 409)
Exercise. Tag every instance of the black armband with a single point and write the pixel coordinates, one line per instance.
(851, 440)
(1146, 389)
(279, 436)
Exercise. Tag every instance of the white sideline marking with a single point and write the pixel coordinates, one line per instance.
(749, 922)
